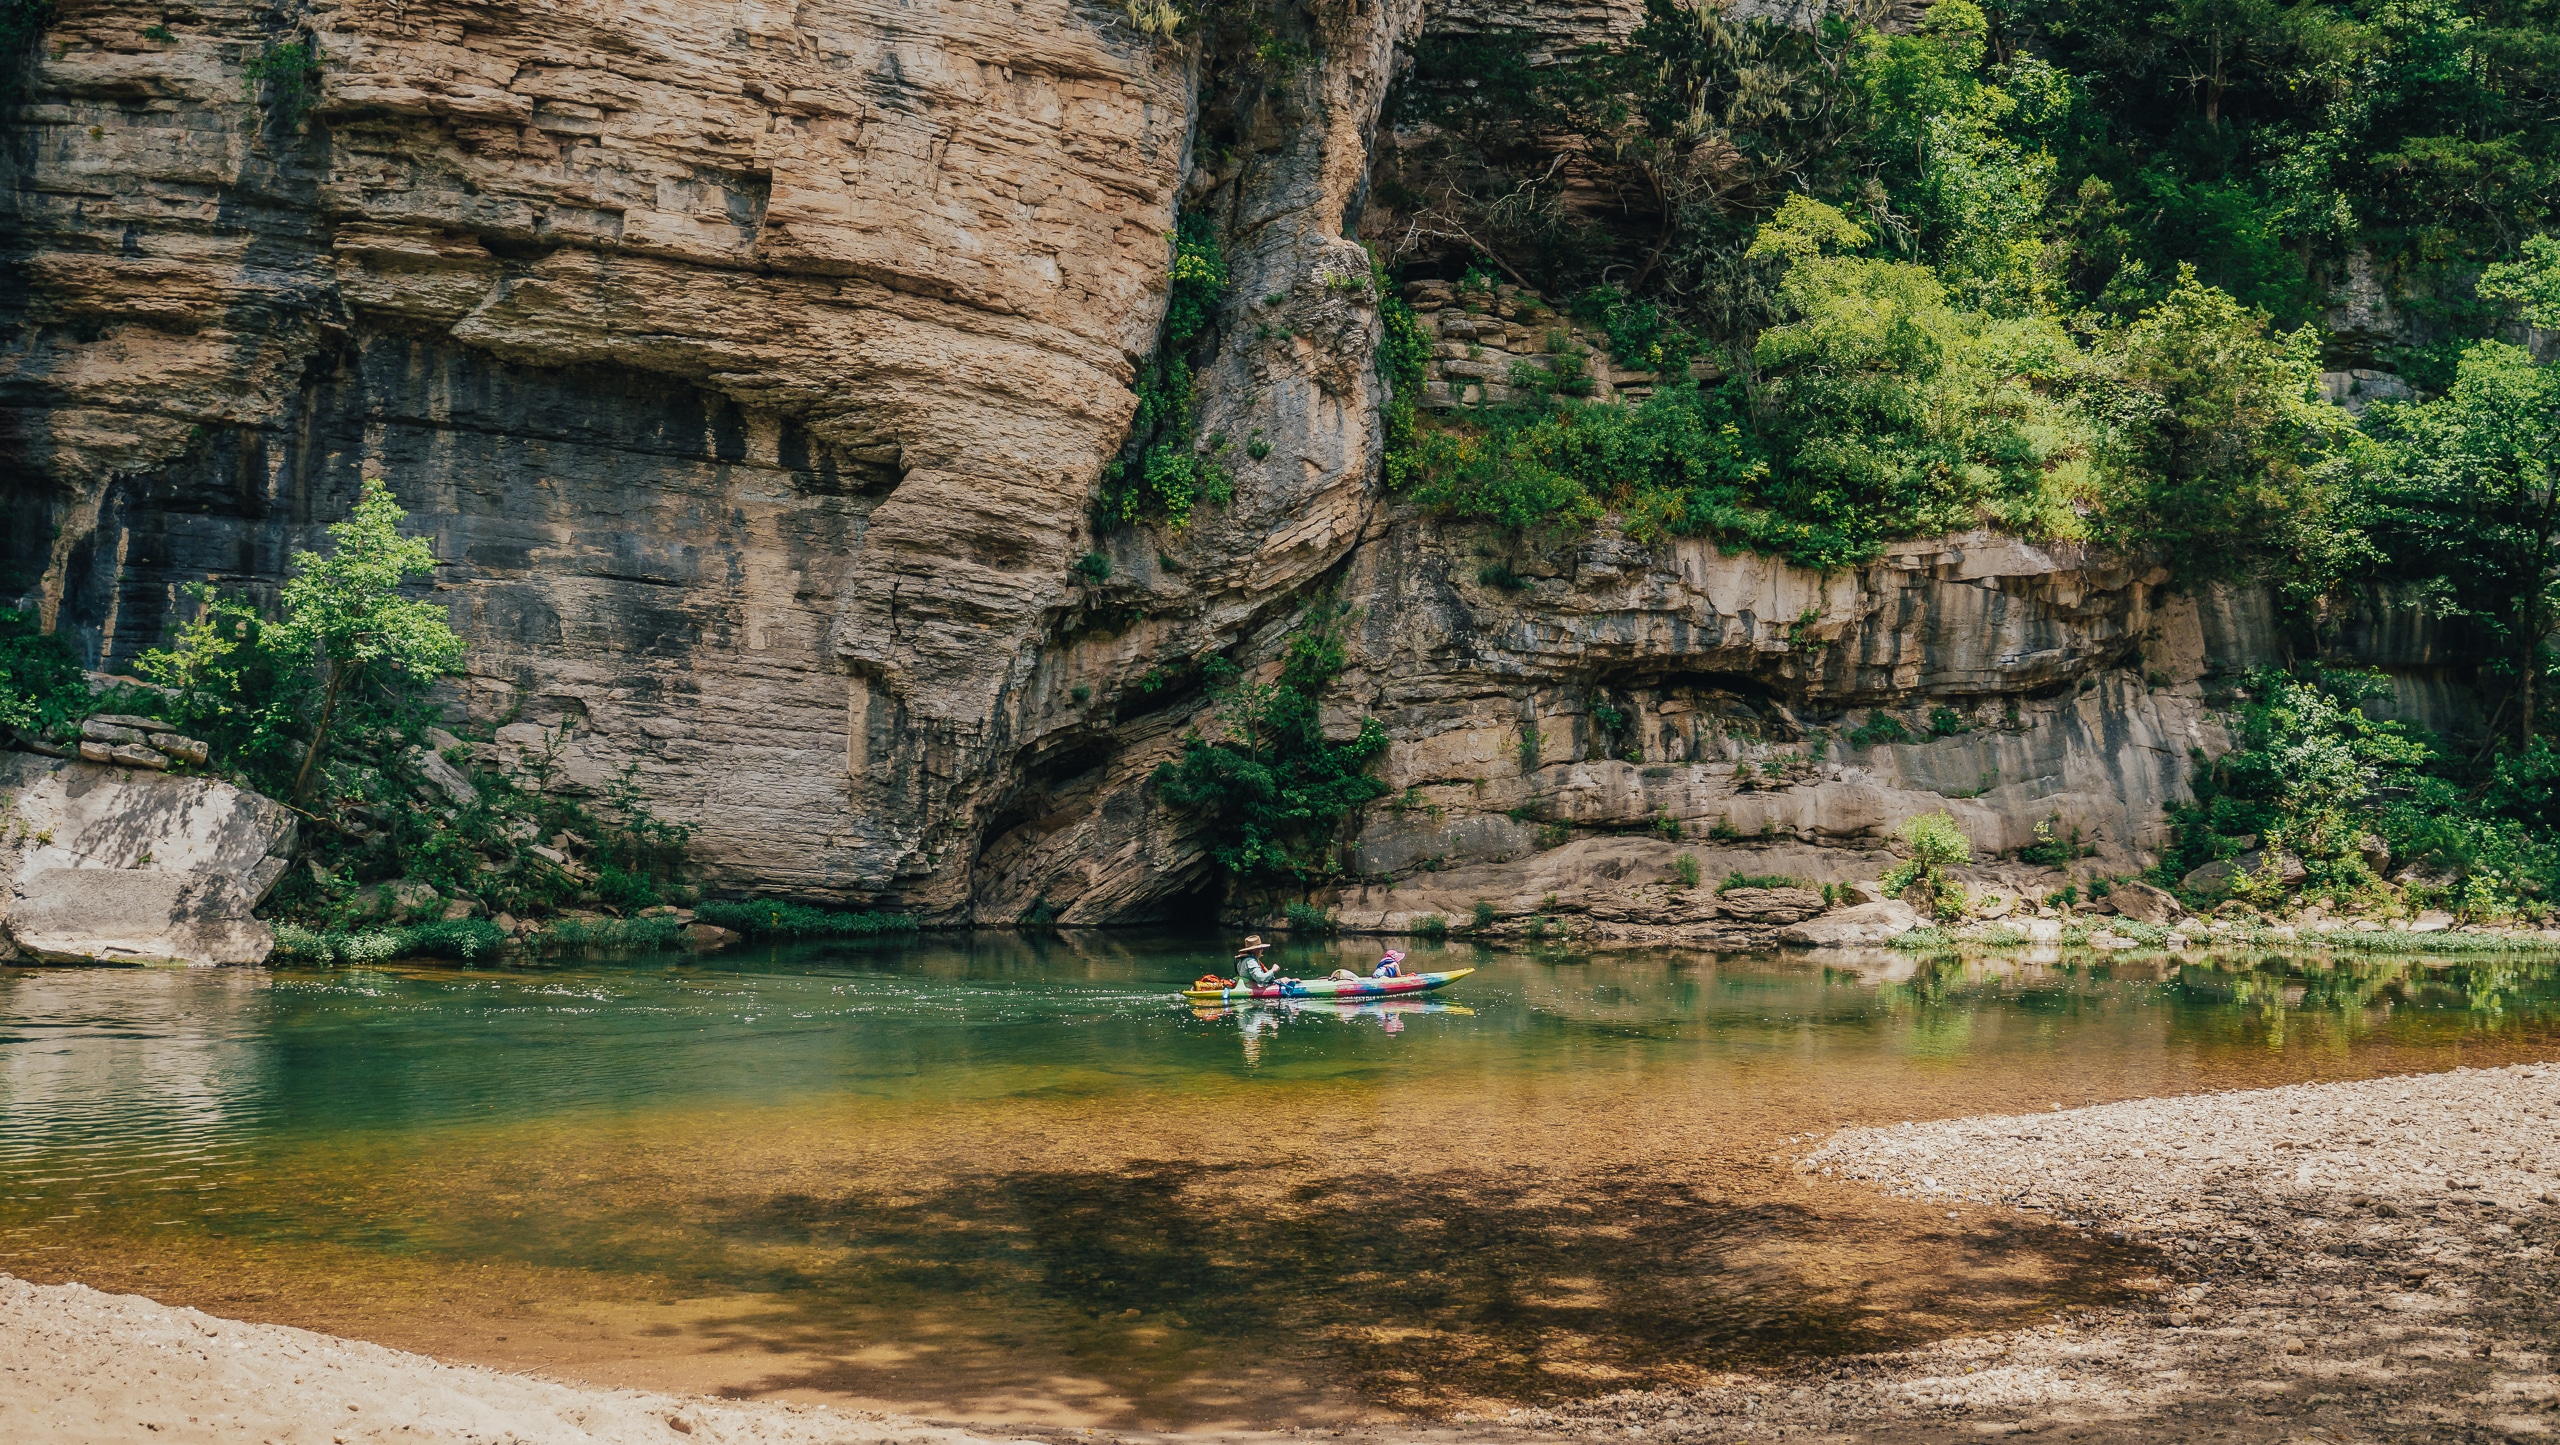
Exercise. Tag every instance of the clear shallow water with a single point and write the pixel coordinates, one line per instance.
(992, 1177)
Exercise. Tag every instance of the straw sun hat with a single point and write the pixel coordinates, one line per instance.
(1252, 944)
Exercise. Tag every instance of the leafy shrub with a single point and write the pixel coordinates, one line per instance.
(1739, 879)
(2051, 850)
(1881, 727)
(611, 935)
(1946, 722)
(1497, 575)
(1936, 844)
(1309, 918)
(1432, 926)
(1643, 335)
(624, 890)
(1484, 915)
(773, 919)
(43, 690)
(1685, 868)
(1162, 472)
(1199, 281)
(1272, 790)
(1092, 567)
(290, 74)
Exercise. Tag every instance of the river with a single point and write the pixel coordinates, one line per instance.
(1002, 1177)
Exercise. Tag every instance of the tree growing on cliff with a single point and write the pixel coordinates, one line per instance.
(2217, 444)
(346, 625)
(1270, 787)
(343, 634)
(2466, 494)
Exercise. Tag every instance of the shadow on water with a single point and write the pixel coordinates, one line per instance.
(1445, 1290)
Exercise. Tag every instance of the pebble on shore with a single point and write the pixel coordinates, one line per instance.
(2373, 1260)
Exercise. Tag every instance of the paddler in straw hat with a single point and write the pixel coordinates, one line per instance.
(1251, 971)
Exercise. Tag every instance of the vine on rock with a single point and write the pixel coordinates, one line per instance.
(1165, 470)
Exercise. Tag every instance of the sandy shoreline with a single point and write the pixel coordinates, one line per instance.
(80, 1366)
(2334, 1262)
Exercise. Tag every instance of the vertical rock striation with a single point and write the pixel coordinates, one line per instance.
(751, 365)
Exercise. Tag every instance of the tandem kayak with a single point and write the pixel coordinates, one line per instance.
(1333, 987)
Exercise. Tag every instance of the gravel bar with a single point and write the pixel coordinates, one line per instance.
(2335, 1262)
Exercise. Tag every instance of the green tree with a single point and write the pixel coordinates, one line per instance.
(343, 632)
(2468, 498)
(346, 624)
(1964, 183)
(2216, 443)
(1888, 410)
(1937, 844)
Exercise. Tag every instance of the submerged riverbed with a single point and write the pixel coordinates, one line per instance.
(996, 1177)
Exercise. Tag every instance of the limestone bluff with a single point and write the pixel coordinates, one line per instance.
(753, 368)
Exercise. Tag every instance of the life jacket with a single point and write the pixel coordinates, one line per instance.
(1209, 981)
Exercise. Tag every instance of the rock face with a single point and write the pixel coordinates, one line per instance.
(105, 864)
(1863, 925)
(751, 372)
(754, 379)
(2144, 903)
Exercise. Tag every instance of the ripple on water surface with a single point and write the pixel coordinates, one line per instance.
(994, 1177)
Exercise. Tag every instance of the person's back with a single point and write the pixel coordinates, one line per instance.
(1390, 966)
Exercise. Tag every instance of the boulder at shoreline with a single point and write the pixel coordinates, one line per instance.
(119, 865)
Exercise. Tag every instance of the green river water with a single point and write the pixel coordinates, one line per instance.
(999, 1177)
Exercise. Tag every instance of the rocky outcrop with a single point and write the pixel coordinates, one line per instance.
(107, 864)
(1862, 925)
(751, 372)
(754, 381)
(130, 741)
(1679, 690)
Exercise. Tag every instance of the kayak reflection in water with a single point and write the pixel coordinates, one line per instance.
(1253, 1023)
(1256, 1022)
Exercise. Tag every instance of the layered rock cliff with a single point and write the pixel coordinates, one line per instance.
(750, 366)
(754, 369)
